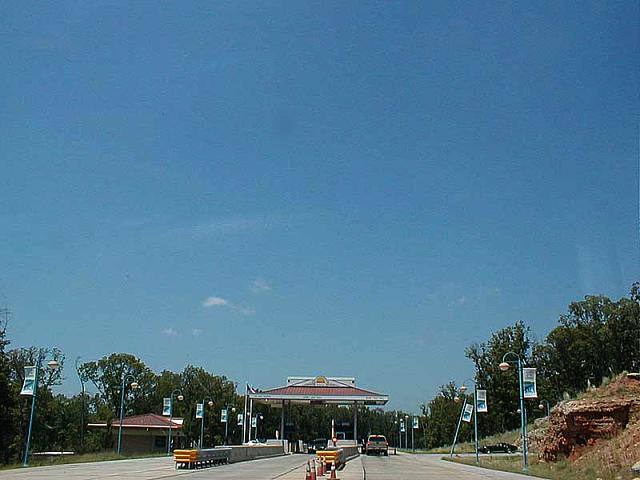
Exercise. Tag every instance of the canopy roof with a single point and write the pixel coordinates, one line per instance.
(319, 391)
(148, 420)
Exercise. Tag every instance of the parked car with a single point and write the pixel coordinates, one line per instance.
(254, 442)
(318, 444)
(498, 448)
(377, 444)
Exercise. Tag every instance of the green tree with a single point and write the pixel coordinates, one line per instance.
(441, 417)
(107, 375)
(502, 387)
(196, 384)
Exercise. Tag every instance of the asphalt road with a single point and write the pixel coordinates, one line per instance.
(160, 468)
(427, 467)
(290, 467)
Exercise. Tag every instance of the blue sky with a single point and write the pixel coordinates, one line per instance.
(289, 188)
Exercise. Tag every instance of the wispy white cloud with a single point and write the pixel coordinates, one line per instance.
(214, 302)
(455, 295)
(248, 311)
(169, 332)
(260, 285)
(225, 226)
(223, 302)
(230, 225)
(196, 332)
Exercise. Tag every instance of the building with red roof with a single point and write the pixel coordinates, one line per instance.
(147, 433)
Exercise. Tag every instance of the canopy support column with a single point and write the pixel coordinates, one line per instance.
(282, 424)
(355, 422)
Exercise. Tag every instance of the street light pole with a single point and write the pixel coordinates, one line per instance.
(52, 365)
(475, 419)
(210, 403)
(133, 385)
(504, 366)
(83, 404)
(413, 436)
(463, 388)
(180, 397)
(226, 423)
(455, 437)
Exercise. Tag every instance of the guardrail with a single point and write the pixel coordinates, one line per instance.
(203, 458)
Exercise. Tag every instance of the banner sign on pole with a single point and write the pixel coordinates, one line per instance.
(402, 426)
(468, 411)
(482, 401)
(240, 419)
(199, 410)
(223, 415)
(529, 383)
(166, 407)
(29, 385)
(416, 423)
(254, 422)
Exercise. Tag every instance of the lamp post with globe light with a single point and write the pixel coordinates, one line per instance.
(81, 378)
(226, 423)
(455, 437)
(504, 366)
(463, 388)
(134, 385)
(51, 365)
(178, 394)
(406, 432)
(205, 402)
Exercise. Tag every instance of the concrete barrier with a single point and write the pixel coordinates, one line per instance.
(350, 451)
(242, 453)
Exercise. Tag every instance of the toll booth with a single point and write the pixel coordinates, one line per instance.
(319, 390)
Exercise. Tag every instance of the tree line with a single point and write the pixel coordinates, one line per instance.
(60, 423)
(596, 339)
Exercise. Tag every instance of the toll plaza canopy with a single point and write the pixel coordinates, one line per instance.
(317, 391)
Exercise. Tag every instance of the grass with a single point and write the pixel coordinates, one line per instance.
(561, 470)
(80, 458)
(469, 447)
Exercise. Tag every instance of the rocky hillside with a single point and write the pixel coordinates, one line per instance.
(601, 427)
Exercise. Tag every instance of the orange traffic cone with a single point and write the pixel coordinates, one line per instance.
(333, 472)
(321, 469)
(307, 475)
(313, 469)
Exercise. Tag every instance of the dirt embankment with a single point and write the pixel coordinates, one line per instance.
(604, 426)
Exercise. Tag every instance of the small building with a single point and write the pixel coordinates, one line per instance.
(148, 433)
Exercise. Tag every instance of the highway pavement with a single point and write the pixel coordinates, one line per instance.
(159, 468)
(289, 467)
(427, 467)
